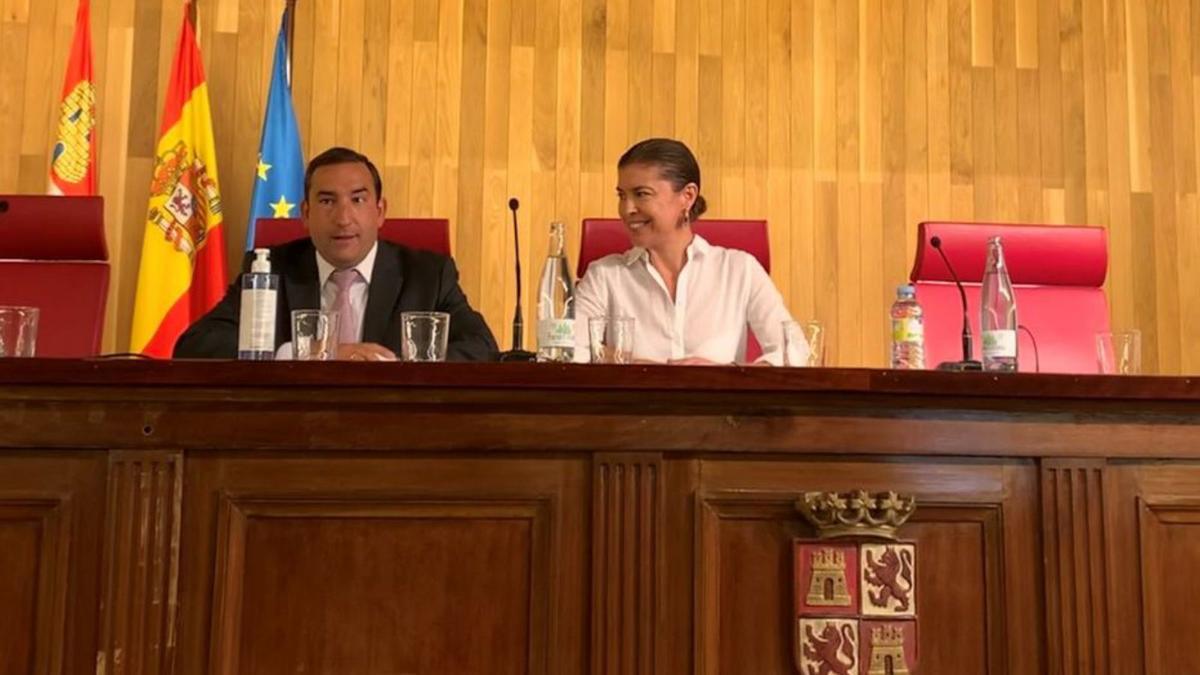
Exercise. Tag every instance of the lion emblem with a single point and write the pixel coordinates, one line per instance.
(833, 651)
(892, 576)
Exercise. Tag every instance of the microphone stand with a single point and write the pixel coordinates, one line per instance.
(517, 353)
(967, 363)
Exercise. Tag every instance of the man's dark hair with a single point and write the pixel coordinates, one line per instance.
(340, 155)
(675, 163)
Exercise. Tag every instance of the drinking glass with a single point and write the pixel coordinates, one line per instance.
(314, 334)
(424, 336)
(1119, 352)
(611, 339)
(804, 344)
(18, 331)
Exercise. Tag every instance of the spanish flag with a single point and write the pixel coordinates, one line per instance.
(182, 273)
(73, 161)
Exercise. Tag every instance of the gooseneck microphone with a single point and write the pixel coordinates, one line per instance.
(517, 353)
(967, 363)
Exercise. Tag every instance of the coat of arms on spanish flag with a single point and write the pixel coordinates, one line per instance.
(182, 272)
(73, 161)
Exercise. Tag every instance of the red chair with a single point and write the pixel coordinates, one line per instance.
(53, 256)
(427, 234)
(1057, 273)
(603, 236)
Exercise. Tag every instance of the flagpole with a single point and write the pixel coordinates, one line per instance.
(291, 36)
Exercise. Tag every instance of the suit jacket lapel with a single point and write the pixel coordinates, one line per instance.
(386, 280)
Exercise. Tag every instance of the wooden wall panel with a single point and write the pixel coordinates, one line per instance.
(967, 526)
(843, 122)
(508, 537)
(49, 558)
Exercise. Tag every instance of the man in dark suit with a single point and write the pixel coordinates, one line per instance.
(343, 266)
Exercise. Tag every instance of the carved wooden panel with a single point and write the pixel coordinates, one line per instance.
(140, 572)
(34, 555)
(977, 593)
(51, 511)
(341, 585)
(1152, 514)
(1170, 554)
(1076, 563)
(384, 564)
(627, 554)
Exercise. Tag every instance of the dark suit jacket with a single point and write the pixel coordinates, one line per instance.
(403, 280)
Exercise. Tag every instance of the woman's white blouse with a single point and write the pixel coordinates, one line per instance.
(720, 292)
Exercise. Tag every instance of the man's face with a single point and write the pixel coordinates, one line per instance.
(342, 213)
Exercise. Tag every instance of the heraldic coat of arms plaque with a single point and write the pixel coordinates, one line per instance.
(856, 611)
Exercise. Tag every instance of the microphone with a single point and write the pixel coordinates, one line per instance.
(517, 353)
(967, 363)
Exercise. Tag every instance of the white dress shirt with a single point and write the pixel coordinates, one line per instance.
(719, 292)
(358, 296)
(358, 292)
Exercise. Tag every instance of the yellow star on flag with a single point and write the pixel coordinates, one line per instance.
(263, 168)
(282, 208)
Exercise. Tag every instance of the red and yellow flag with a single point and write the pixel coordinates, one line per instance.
(182, 273)
(73, 162)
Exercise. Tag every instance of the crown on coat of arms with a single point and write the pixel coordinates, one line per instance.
(857, 513)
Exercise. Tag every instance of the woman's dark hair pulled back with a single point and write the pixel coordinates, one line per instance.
(676, 163)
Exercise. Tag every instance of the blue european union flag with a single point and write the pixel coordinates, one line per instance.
(279, 176)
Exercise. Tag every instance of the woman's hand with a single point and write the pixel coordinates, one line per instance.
(694, 361)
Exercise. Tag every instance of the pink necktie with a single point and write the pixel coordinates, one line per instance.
(348, 319)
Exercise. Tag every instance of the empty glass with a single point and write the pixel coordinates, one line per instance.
(314, 334)
(611, 339)
(18, 331)
(424, 336)
(804, 344)
(1119, 353)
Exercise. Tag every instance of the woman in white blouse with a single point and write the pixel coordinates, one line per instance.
(691, 300)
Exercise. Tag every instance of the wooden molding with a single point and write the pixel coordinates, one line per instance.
(627, 563)
(140, 570)
(1076, 566)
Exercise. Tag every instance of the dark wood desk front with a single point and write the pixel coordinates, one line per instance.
(440, 519)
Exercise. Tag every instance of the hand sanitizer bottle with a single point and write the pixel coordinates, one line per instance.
(256, 325)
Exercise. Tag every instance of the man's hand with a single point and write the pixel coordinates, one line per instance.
(364, 351)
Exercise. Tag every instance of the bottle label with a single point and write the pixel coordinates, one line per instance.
(999, 344)
(908, 329)
(556, 333)
(256, 323)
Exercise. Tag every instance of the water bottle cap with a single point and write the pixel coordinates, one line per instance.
(906, 291)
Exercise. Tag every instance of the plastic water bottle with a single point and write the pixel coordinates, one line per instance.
(256, 324)
(556, 303)
(908, 330)
(998, 318)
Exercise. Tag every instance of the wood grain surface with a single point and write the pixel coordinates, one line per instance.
(842, 122)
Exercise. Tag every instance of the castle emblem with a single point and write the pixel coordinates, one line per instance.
(76, 120)
(855, 586)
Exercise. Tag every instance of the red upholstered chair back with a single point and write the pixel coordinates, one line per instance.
(53, 256)
(1057, 273)
(427, 234)
(603, 236)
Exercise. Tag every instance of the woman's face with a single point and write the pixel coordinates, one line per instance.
(651, 208)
